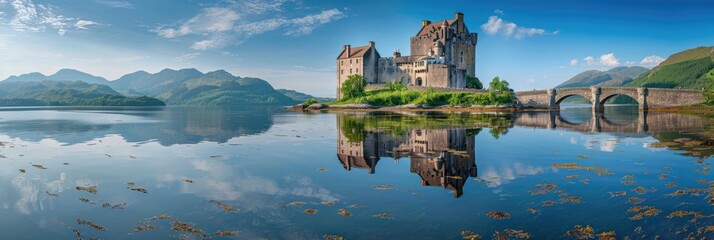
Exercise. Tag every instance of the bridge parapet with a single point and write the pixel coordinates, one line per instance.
(645, 97)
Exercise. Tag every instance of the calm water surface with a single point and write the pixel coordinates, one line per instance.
(399, 176)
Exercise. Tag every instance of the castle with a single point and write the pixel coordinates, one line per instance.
(443, 53)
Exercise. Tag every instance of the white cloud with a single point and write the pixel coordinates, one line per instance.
(589, 60)
(605, 60)
(116, 4)
(186, 57)
(219, 26)
(496, 25)
(82, 24)
(32, 17)
(652, 61)
(609, 60)
(210, 20)
(498, 11)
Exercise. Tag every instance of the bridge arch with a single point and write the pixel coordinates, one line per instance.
(560, 99)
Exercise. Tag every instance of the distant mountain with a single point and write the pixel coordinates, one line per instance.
(301, 97)
(175, 87)
(692, 68)
(66, 93)
(64, 74)
(616, 77)
(192, 87)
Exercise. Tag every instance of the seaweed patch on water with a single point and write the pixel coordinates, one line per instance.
(571, 199)
(468, 235)
(532, 210)
(635, 200)
(226, 207)
(642, 190)
(498, 215)
(186, 227)
(344, 212)
(90, 224)
(86, 200)
(384, 216)
(547, 203)
(542, 189)
(606, 235)
(511, 234)
(145, 227)
(322, 170)
(226, 233)
(115, 206)
(332, 237)
(89, 189)
(311, 211)
(643, 211)
(581, 232)
(39, 166)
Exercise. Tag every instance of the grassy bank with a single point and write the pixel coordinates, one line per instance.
(387, 98)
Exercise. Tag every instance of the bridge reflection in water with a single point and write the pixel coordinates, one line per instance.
(645, 122)
(444, 155)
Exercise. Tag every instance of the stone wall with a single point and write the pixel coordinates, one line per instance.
(661, 97)
(424, 89)
(536, 98)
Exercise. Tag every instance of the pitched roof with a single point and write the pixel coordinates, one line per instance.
(355, 52)
(434, 26)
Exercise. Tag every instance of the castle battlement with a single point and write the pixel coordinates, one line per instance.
(443, 54)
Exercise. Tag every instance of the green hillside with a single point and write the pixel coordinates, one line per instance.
(66, 93)
(192, 87)
(301, 97)
(692, 69)
(615, 77)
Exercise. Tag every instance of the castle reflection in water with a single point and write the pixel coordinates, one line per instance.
(441, 157)
(443, 154)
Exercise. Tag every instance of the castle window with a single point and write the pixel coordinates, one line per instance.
(350, 61)
(350, 70)
(342, 62)
(462, 56)
(357, 70)
(357, 60)
(342, 71)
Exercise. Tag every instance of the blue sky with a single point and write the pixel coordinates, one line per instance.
(293, 44)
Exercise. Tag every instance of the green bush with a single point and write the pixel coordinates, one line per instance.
(310, 101)
(709, 95)
(473, 82)
(353, 87)
(396, 86)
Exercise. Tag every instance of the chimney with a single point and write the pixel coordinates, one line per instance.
(371, 44)
(347, 50)
(459, 16)
(425, 22)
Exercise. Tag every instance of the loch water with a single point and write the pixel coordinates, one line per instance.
(267, 173)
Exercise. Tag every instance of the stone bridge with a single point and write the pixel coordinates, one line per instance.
(646, 122)
(646, 97)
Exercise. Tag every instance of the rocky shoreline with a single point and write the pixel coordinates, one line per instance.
(409, 107)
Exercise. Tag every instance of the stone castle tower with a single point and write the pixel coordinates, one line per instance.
(443, 53)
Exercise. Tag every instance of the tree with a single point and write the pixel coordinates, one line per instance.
(498, 85)
(353, 86)
(473, 82)
(709, 95)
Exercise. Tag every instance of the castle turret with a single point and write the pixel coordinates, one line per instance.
(424, 23)
(459, 22)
